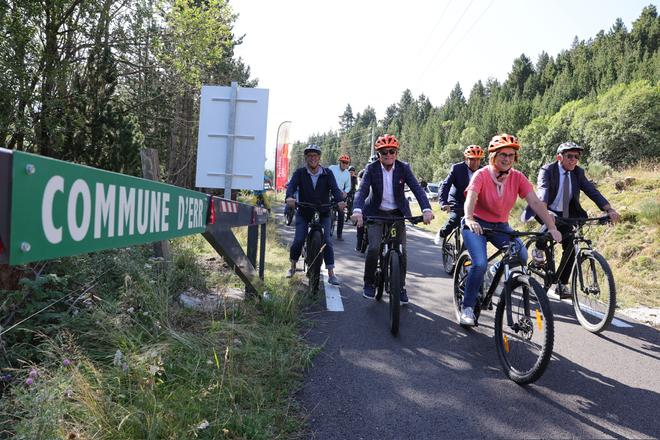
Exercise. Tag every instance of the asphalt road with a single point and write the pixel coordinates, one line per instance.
(439, 380)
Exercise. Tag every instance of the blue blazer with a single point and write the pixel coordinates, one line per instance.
(548, 187)
(452, 189)
(370, 195)
(301, 181)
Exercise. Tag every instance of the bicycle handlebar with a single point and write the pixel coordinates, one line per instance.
(315, 205)
(516, 233)
(414, 219)
(603, 219)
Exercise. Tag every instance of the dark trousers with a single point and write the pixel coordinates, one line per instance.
(453, 222)
(567, 256)
(375, 235)
(341, 216)
(360, 235)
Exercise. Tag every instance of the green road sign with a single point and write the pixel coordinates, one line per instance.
(60, 209)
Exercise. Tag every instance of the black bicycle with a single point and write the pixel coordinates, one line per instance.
(524, 325)
(314, 245)
(452, 246)
(592, 282)
(390, 270)
(350, 197)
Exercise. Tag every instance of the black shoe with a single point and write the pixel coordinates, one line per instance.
(563, 291)
(403, 298)
(340, 238)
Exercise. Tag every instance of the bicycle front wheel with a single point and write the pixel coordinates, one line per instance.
(449, 253)
(460, 280)
(394, 291)
(525, 347)
(314, 257)
(594, 292)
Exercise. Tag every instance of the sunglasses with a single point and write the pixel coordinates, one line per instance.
(507, 155)
(344, 162)
(386, 152)
(571, 156)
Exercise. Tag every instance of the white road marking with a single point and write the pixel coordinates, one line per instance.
(332, 295)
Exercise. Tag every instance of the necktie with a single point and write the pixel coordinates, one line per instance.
(565, 196)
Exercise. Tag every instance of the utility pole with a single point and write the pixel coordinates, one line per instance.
(372, 141)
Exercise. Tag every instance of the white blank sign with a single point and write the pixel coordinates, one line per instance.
(249, 138)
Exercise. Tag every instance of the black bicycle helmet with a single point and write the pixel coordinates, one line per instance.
(351, 168)
(568, 146)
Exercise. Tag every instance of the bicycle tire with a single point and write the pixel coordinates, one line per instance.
(593, 309)
(314, 261)
(380, 284)
(448, 254)
(394, 291)
(525, 353)
(460, 278)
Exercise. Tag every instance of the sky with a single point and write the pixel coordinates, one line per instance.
(315, 57)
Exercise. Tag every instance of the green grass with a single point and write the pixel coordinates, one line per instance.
(140, 366)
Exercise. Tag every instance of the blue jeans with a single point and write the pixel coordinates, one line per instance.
(302, 226)
(476, 247)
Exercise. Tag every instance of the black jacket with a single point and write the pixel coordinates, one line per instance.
(301, 181)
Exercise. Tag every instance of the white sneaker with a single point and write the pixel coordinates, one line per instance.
(437, 239)
(467, 317)
(290, 272)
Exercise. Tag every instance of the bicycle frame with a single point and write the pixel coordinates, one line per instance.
(581, 246)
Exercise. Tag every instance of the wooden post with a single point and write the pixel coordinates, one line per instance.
(151, 171)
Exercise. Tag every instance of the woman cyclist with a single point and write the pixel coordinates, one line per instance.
(490, 197)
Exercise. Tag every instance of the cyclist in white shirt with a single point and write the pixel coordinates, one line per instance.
(343, 178)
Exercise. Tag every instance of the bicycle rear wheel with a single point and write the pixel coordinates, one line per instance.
(314, 258)
(394, 291)
(449, 252)
(594, 291)
(525, 348)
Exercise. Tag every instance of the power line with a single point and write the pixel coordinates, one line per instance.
(442, 14)
(421, 76)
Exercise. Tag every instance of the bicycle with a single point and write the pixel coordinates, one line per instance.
(524, 324)
(314, 245)
(592, 282)
(390, 270)
(350, 197)
(452, 246)
(336, 219)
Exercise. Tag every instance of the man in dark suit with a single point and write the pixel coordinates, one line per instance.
(314, 185)
(382, 194)
(452, 189)
(559, 185)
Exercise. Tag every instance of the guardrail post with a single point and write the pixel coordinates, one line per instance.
(151, 171)
(253, 232)
(5, 203)
(262, 252)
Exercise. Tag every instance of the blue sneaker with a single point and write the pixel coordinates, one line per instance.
(369, 292)
(403, 299)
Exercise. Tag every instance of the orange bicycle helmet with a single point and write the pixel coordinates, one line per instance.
(387, 141)
(473, 152)
(345, 158)
(503, 141)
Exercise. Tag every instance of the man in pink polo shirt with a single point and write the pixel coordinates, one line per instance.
(491, 194)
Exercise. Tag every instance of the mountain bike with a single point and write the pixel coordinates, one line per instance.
(314, 245)
(390, 270)
(452, 246)
(592, 282)
(524, 325)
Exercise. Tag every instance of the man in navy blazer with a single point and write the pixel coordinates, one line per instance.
(551, 188)
(382, 194)
(314, 185)
(452, 189)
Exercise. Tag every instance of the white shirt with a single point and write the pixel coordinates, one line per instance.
(558, 205)
(388, 203)
(343, 178)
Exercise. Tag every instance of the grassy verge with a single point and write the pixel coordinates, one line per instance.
(126, 362)
(631, 247)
